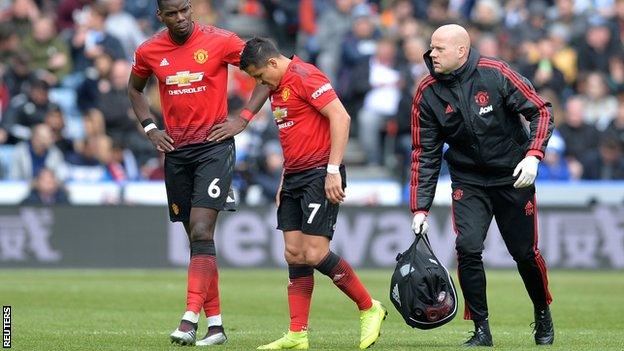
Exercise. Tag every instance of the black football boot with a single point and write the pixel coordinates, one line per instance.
(481, 336)
(543, 329)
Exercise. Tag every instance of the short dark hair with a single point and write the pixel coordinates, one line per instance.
(160, 3)
(257, 52)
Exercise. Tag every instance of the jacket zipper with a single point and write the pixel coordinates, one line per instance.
(468, 119)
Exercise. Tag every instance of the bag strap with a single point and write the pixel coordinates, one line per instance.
(425, 239)
(413, 248)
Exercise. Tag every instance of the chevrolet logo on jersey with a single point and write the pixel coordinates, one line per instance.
(280, 113)
(184, 78)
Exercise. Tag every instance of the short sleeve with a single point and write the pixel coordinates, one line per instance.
(140, 66)
(318, 90)
(233, 48)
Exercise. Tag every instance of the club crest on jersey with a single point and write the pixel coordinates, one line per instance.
(458, 194)
(175, 209)
(280, 113)
(184, 78)
(285, 94)
(200, 56)
(483, 99)
(529, 208)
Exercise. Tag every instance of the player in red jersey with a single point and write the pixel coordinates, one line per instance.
(313, 130)
(190, 62)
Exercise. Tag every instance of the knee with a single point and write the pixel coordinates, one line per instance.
(467, 253)
(294, 255)
(202, 231)
(314, 256)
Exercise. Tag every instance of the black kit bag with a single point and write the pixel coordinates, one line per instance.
(421, 288)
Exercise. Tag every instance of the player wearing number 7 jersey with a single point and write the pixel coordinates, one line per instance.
(313, 130)
(190, 62)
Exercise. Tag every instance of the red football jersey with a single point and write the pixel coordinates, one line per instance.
(192, 79)
(304, 132)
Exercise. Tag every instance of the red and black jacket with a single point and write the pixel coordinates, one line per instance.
(475, 110)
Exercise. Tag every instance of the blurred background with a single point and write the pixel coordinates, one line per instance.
(82, 186)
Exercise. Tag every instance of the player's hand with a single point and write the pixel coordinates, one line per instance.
(333, 188)
(227, 129)
(161, 140)
(419, 224)
(527, 168)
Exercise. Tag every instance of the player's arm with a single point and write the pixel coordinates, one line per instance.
(427, 143)
(235, 125)
(521, 97)
(159, 138)
(339, 122)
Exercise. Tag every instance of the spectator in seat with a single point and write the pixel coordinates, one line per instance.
(554, 165)
(580, 137)
(543, 73)
(270, 170)
(124, 26)
(333, 25)
(18, 75)
(90, 40)
(113, 101)
(21, 15)
(89, 163)
(600, 107)
(46, 190)
(122, 165)
(88, 92)
(27, 110)
(606, 163)
(30, 157)
(50, 53)
(382, 99)
(598, 47)
(56, 121)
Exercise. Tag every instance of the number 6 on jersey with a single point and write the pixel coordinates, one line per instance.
(213, 189)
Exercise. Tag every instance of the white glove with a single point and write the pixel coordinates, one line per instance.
(419, 224)
(527, 168)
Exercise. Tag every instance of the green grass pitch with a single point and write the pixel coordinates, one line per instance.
(137, 309)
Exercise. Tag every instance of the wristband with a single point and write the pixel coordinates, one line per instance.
(246, 114)
(333, 169)
(146, 122)
(149, 127)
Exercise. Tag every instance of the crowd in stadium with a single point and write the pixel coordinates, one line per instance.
(65, 66)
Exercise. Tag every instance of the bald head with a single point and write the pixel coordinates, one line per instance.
(450, 46)
(453, 34)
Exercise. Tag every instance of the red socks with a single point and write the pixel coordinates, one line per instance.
(201, 272)
(300, 287)
(212, 305)
(345, 279)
